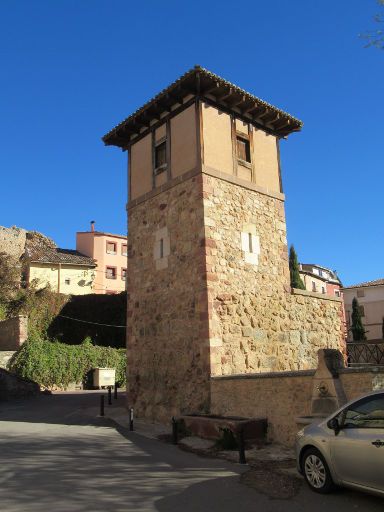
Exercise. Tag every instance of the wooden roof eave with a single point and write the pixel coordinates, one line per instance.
(204, 85)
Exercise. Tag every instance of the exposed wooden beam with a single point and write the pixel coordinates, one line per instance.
(271, 117)
(282, 123)
(225, 95)
(253, 109)
(212, 89)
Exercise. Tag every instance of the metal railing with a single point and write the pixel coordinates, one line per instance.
(365, 354)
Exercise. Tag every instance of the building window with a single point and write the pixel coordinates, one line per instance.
(362, 312)
(123, 274)
(162, 248)
(67, 281)
(110, 272)
(361, 293)
(337, 293)
(124, 249)
(111, 247)
(243, 149)
(161, 156)
(322, 289)
(314, 286)
(250, 242)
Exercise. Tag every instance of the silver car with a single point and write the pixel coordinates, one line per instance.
(345, 449)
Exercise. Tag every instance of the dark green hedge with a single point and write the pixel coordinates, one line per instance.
(53, 364)
(101, 309)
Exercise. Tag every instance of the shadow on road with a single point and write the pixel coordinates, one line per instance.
(55, 454)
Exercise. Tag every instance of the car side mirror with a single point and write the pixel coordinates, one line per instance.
(334, 425)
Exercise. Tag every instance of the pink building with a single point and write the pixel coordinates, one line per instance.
(110, 253)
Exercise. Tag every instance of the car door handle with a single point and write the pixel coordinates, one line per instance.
(378, 443)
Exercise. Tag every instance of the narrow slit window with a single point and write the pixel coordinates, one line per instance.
(161, 155)
(250, 242)
(243, 149)
(161, 248)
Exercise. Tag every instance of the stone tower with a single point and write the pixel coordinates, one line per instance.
(208, 278)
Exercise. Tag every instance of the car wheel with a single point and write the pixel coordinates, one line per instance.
(316, 472)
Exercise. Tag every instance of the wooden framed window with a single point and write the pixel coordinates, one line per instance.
(124, 249)
(243, 148)
(110, 272)
(123, 274)
(111, 247)
(160, 156)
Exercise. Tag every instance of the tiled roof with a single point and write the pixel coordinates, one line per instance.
(65, 256)
(103, 233)
(307, 268)
(377, 282)
(203, 83)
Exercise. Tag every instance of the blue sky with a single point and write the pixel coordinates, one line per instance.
(72, 69)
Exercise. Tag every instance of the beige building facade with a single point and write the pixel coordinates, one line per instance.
(109, 251)
(63, 270)
(208, 288)
(370, 296)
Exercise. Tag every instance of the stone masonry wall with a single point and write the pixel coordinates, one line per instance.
(12, 241)
(167, 335)
(256, 323)
(280, 398)
(13, 333)
(283, 397)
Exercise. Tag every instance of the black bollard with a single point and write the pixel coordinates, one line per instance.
(115, 391)
(174, 430)
(109, 395)
(242, 459)
(102, 405)
(131, 419)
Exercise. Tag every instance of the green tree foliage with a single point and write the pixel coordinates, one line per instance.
(357, 328)
(41, 307)
(54, 364)
(9, 277)
(296, 281)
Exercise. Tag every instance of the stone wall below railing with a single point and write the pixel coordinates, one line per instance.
(282, 397)
(13, 333)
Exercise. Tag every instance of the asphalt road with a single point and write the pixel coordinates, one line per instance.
(57, 456)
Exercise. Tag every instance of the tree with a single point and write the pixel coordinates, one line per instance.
(357, 328)
(296, 281)
(376, 37)
(9, 277)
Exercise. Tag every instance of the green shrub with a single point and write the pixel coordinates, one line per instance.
(50, 363)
